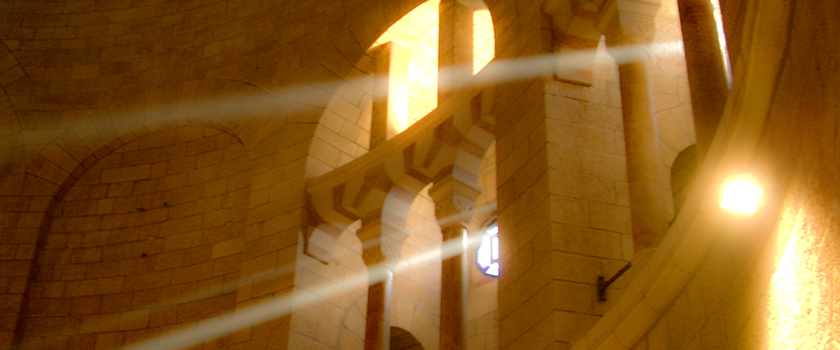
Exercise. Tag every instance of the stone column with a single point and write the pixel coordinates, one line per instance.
(455, 47)
(706, 69)
(629, 33)
(381, 254)
(378, 321)
(453, 201)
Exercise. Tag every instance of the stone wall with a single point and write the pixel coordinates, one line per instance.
(67, 68)
(563, 196)
(147, 240)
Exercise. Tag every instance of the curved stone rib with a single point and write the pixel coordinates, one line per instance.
(394, 147)
(700, 224)
(453, 137)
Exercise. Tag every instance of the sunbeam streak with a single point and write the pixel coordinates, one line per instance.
(285, 304)
(290, 102)
(309, 98)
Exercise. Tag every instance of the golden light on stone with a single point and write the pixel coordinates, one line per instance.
(484, 41)
(741, 195)
(417, 32)
(800, 289)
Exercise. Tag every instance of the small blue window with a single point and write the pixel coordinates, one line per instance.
(487, 255)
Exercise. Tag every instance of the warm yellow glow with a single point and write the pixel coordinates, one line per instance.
(397, 105)
(724, 50)
(417, 32)
(415, 73)
(799, 291)
(398, 74)
(740, 195)
(484, 41)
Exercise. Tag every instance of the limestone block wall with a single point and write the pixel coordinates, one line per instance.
(343, 133)
(482, 325)
(563, 197)
(328, 316)
(80, 62)
(524, 214)
(416, 304)
(683, 173)
(147, 240)
(672, 99)
(335, 294)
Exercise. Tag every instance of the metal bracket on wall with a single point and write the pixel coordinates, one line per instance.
(604, 284)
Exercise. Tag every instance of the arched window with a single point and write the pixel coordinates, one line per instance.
(487, 255)
(392, 86)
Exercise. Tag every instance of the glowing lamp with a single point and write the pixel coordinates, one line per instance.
(740, 195)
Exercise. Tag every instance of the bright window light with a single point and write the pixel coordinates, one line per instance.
(415, 73)
(740, 195)
(488, 252)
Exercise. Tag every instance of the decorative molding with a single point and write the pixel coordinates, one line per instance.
(379, 186)
(628, 22)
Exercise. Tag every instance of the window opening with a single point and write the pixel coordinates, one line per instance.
(487, 255)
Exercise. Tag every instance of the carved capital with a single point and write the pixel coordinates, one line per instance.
(628, 25)
(381, 243)
(454, 201)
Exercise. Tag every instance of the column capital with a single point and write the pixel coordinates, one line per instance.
(381, 242)
(628, 26)
(453, 199)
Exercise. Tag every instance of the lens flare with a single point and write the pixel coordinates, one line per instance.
(741, 195)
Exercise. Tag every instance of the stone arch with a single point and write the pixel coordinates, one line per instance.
(344, 130)
(51, 171)
(409, 308)
(683, 173)
(190, 103)
(149, 235)
(403, 340)
(405, 316)
(10, 128)
(14, 77)
(59, 163)
(409, 315)
(676, 135)
(418, 272)
(12, 176)
(245, 110)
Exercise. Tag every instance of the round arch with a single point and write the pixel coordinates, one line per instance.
(402, 63)
(401, 339)
(149, 228)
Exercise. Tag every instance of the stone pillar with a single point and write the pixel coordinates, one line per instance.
(629, 31)
(378, 321)
(455, 47)
(453, 201)
(706, 69)
(380, 252)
